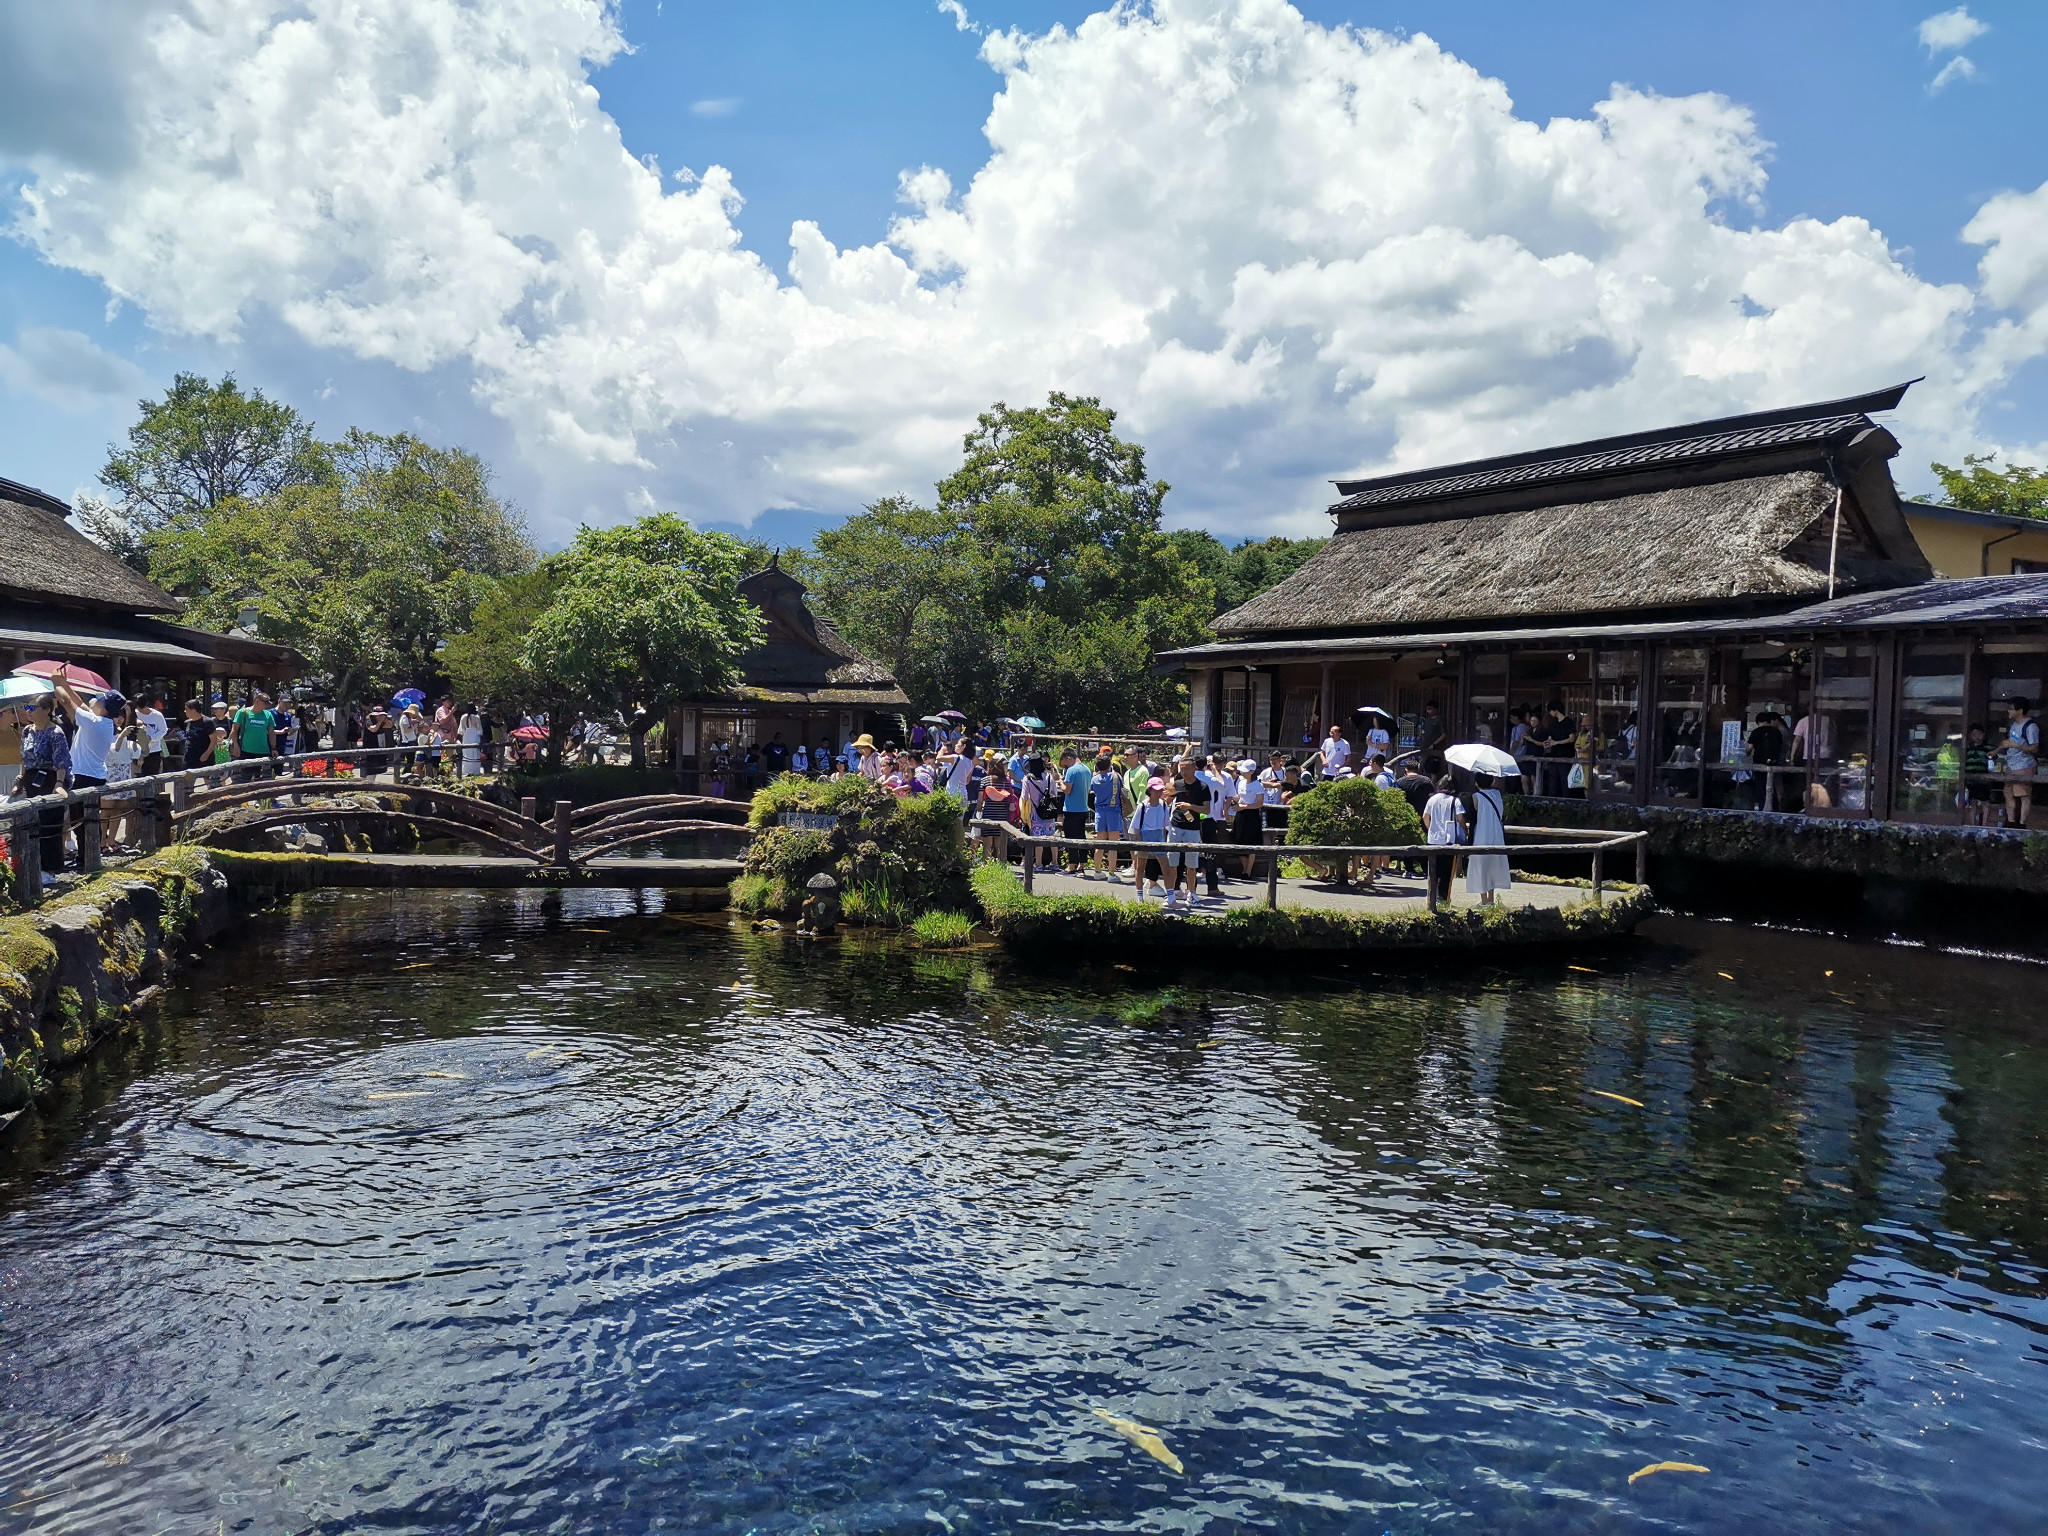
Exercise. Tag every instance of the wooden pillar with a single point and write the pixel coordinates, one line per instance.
(1599, 894)
(1429, 876)
(1325, 702)
(1273, 879)
(89, 837)
(1884, 728)
(562, 834)
(1646, 709)
(26, 834)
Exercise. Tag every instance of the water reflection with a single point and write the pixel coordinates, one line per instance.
(501, 1212)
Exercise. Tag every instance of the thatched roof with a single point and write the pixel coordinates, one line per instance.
(804, 659)
(46, 560)
(1747, 540)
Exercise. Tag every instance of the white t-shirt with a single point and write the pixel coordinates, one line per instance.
(958, 774)
(89, 744)
(2018, 734)
(1219, 791)
(1336, 756)
(1441, 814)
(152, 721)
(121, 758)
(1251, 793)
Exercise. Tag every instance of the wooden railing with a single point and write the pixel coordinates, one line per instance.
(1551, 842)
(170, 807)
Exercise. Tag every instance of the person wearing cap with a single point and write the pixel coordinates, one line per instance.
(1248, 826)
(45, 769)
(1151, 824)
(95, 721)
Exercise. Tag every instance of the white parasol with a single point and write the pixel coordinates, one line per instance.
(1478, 757)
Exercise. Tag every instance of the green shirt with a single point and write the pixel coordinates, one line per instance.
(1137, 778)
(253, 726)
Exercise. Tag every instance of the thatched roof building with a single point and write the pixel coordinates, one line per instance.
(63, 597)
(1707, 516)
(1674, 603)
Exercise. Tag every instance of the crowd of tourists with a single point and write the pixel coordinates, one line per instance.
(1198, 803)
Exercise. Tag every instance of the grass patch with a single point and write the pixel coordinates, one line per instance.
(1023, 919)
(942, 930)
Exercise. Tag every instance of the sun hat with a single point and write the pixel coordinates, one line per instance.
(1159, 784)
(1248, 766)
(864, 741)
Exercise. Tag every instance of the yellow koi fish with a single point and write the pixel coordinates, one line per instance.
(1619, 1098)
(1146, 1440)
(1667, 1466)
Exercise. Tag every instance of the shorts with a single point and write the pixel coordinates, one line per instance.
(1109, 821)
(1189, 859)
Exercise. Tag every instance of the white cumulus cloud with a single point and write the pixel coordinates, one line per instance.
(1946, 31)
(1285, 251)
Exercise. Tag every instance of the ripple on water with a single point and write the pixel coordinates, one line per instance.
(670, 1228)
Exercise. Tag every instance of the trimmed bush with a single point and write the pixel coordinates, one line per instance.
(894, 859)
(1352, 811)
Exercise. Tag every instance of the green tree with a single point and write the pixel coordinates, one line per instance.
(1241, 572)
(488, 662)
(202, 446)
(1041, 583)
(2018, 490)
(364, 572)
(643, 616)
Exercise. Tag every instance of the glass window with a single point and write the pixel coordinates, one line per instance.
(1680, 720)
(1616, 723)
(1833, 737)
(1550, 698)
(2006, 672)
(1231, 726)
(1933, 676)
(1752, 765)
(1489, 698)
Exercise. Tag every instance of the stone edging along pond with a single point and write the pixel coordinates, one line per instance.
(1016, 917)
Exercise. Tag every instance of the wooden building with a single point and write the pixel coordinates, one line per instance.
(803, 683)
(64, 598)
(1666, 590)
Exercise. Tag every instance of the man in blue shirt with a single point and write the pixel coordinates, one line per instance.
(1074, 809)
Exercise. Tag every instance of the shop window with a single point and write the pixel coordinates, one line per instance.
(1680, 724)
(1487, 716)
(1538, 682)
(1231, 724)
(1933, 677)
(1615, 726)
(1833, 737)
(1752, 766)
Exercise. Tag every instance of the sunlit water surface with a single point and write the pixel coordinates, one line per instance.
(495, 1213)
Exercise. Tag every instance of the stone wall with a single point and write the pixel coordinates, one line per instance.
(1974, 858)
(78, 968)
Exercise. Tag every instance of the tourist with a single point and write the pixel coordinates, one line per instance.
(957, 765)
(1137, 773)
(130, 747)
(198, 734)
(778, 756)
(1248, 824)
(1110, 794)
(1560, 745)
(1184, 826)
(1376, 770)
(997, 799)
(1040, 796)
(155, 730)
(2022, 759)
(1078, 783)
(1335, 753)
(410, 726)
(800, 761)
(1443, 820)
(1279, 801)
(95, 723)
(1429, 738)
(1378, 742)
(1152, 824)
(1977, 792)
(864, 760)
(1486, 873)
(45, 770)
(1768, 745)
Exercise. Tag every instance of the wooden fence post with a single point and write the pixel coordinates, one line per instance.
(1599, 898)
(145, 817)
(25, 833)
(529, 811)
(562, 809)
(1429, 874)
(1273, 880)
(89, 837)
(1030, 864)
(1643, 859)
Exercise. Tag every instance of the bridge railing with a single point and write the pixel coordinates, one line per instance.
(165, 807)
(1547, 842)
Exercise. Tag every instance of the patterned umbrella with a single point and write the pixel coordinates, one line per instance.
(80, 678)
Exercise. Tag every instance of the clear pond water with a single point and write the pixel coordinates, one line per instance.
(493, 1213)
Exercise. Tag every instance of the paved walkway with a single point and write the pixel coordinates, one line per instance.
(1395, 892)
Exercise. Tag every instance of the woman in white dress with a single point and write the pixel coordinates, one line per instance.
(471, 728)
(1486, 873)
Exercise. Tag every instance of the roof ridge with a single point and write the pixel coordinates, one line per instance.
(1849, 408)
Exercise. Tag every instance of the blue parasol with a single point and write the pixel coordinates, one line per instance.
(406, 696)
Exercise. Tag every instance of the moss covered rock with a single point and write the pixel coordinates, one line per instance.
(894, 858)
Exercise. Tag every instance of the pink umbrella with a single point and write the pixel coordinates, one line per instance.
(1150, 725)
(530, 733)
(84, 679)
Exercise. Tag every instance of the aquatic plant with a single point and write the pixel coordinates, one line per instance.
(1169, 1005)
(942, 930)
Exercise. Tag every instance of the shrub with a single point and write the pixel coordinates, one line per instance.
(893, 859)
(1352, 811)
(942, 930)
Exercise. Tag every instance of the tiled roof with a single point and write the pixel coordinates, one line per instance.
(1693, 442)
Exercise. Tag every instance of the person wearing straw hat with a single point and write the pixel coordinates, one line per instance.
(867, 761)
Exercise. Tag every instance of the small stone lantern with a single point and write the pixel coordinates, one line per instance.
(821, 905)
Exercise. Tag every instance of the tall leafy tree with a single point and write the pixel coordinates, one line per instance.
(365, 572)
(488, 662)
(642, 616)
(202, 446)
(1040, 583)
(2018, 490)
(1242, 571)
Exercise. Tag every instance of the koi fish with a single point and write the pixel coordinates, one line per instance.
(418, 965)
(1667, 1466)
(1619, 1098)
(541, 1052)
(1584, 970)
(1146, 1440)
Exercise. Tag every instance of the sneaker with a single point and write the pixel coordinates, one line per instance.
(49, 881)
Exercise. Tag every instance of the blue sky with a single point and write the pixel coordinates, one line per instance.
(816, 110)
